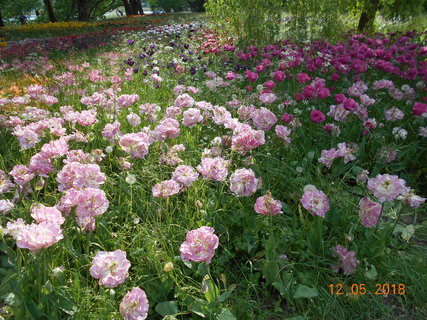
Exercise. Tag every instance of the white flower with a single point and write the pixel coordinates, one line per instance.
(109, 149)
(131, 179)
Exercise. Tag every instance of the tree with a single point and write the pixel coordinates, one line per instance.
(11, 9)
(82, 10)
(197, 5)
(49, 10)
(136, 7)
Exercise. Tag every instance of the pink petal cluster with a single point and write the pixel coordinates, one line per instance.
(166, 189)
(243, 182)
(79, 176)
(410, 198)
(133, 119)
(267, 205)
(199, 245)
(111, 131)
(126, 100)
(89, 202)
(38, 236)
(245, 138)
(184, 101)
(386, 187)
(283, 133)
(185, 175)
(167, 128)
(41, 213)
(316, 202)
(213, 168)
(267, 98)
(5, 184)
(263, 119)
(6, 206)
(191, 117)
(111, 268)
(347, 260)
(21, 174)
(369, 212)
(134, 305)
(136, 144)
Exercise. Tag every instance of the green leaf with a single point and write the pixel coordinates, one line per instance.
(226, 315)
(280, 286)
(227, 294)
(371, 273)
(210, 289)
(303, 291)
(167, 307)
(197, 308)
(270, 271)
(12, 299)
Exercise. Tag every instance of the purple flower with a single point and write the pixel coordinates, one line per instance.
(347, 260)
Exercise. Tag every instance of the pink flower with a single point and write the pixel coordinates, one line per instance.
(126, 100)
(191, 116)
(136, 144)
(111, 131)
(245, 138)
(266, 205)
(167, 128)
(303, 77)
(111, 268)
(263, 119)
(79, 176)
(267, 98)
(316, 202)
(41, 213)
(184, 101)
(6, 206)
(279, 76)
(243, 182)
(5, 184)
(133, 119)
(90, 202)
(393, 114)
(283, 133)
(179, 89)
(328, 156)
(166, 188)
(230, 75)
(21, 174)
(410, 198)
(185, 175)
(245, 112)
(347, 260)
(213, 168)
(286, 118)
(369, 212)
(317, 116)
(419, 109)
(386, 187)
(86, 118)
(199, 245)
(37, 236)
(251, 76)
(134, 305)
(55, 148)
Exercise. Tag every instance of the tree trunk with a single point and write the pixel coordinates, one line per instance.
(135, 4)
(1, 21)
(141, 11)
(367, 18)
(197, 6)
(82, 10)
(49, 10)
(127, 7)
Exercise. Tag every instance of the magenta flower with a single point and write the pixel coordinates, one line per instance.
(251, 76)
(111, 268)
(199, 245)
(386, 187)
(279, 76)
(369, 212)
(266, 205)
(134, 305)
(347, 260)
(317, 116)
(303, 77)
(38, 236)
(166, 189)
(419, 109)
(316, 202)
(243, 182)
